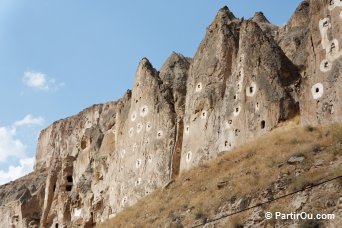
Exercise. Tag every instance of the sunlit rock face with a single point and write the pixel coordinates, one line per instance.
(21, 201)
(321, 91)
(246, 77)
(144, 142)
(294, 36)
(108, 156)
(239, 87)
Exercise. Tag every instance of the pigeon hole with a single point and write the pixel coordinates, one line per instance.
(131, 131)
(148, 126)
(159, 134)
(134, 116)
(188, 156)
(69, 184)
(144, 111)
(317, 91)
(198, 87)
(204, 114)
(263, 124)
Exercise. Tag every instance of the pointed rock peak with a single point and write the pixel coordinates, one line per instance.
(145, 68)
(145, 63)
(301, 16)
(224, 14)
(303, 6)
(175, 57)
(265, 51)
(251, 30)
(250, 25)
(259, 17)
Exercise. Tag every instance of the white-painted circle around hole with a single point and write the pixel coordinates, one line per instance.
(317, 91)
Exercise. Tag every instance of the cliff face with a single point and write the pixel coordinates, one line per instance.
(232, 191)
(235, 91)
(246, 77)
(320, 94)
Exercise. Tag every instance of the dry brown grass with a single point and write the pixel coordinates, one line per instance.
(194, 196)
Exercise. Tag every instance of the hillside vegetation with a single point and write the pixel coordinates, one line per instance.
(288, 159)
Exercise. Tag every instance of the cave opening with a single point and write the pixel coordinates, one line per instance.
(326, 64)
(263, 124)
(251, 89)
(69, 179)
(332, 47)
(83, 144)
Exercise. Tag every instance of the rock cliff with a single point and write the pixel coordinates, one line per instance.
(246, 77)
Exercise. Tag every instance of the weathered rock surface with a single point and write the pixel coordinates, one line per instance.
(21, 201)
(239, 87)
(321, 92)
(246, 77)
(294, 36)
(301, 202)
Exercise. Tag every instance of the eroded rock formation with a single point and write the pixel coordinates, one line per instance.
(246, 77)
(320, 91)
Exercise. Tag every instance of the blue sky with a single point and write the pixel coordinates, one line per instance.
(59, 57)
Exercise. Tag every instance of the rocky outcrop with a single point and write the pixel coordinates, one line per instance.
(246, 77)
(108, 156)
(321, 92)
(21, 201)
(269, 29)
(174, 74)
(239, 87)
(294, 36)
(68, 149)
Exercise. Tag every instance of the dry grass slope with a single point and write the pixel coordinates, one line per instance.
(241, 175)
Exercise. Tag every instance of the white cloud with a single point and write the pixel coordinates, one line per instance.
(30, 120)
(13, 149)
(10, 146)
(40, 81)
(35, 80)
(15, 172)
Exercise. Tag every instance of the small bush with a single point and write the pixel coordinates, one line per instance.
(295, 141)
(200, 214)
(309, 128)
(316, 148)
(337, 132)
(236, 222)
(300, 183)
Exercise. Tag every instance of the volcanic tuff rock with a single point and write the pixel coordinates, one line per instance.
(21, 201)
(321, 95)
(246, 77)
(235, 91)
